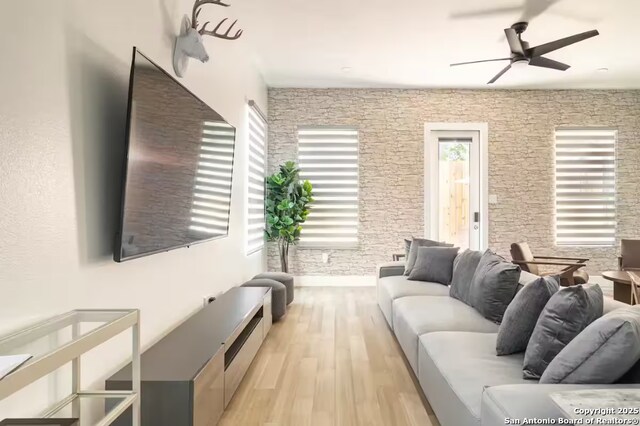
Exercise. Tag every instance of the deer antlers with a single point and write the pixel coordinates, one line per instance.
(226, 35)
(203, 31)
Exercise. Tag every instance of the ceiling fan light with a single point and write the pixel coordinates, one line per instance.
(520, 63)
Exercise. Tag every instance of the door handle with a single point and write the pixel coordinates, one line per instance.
(476, 217)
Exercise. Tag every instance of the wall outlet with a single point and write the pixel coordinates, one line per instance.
(208, 299)
(493, 199)
(325, 257)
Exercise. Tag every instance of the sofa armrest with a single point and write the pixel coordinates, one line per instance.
(520, 401)
(390, 269)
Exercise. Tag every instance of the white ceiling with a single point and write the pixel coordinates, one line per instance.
(410, 43)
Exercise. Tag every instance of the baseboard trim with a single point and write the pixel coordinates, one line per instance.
(335, 281)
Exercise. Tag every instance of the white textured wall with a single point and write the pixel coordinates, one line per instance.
(63, 91)
(521, 162)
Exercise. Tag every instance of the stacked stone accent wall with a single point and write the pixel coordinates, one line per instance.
(521, 163)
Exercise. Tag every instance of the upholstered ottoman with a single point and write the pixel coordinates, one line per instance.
(278, 295)
(282, 277)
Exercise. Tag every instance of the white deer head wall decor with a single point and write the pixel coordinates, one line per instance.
(189, 44)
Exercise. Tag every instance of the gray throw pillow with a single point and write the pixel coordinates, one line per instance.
(493, 286)
(567, 313)
(464, 267)
(416, 243)
(434, 264)
(602, 353)
(522, 314)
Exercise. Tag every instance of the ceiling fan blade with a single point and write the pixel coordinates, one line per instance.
(548, 63)
(514, 41)
(534, 8)
(578, 17)
(477, 62)
(494, 79)
(559, 44)
(486, 12)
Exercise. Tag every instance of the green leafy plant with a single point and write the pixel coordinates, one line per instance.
(287, 204)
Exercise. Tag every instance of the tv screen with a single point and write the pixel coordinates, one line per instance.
(179, 167)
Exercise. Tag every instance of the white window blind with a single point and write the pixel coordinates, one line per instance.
(328, 158)
(585, 186)
(257, 166)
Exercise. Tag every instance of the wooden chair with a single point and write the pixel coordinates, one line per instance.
(570, 274)
(634, 274)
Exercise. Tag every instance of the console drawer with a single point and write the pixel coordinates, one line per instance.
(208, 392)
(241, 361)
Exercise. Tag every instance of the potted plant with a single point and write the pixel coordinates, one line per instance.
(287, 204)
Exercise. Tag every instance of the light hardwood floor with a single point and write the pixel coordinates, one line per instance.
(331, 360)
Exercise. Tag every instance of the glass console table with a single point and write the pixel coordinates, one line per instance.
(63, 339)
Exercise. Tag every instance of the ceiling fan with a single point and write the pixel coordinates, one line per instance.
(529, 10)
(523, 55)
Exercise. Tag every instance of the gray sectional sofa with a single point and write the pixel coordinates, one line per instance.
(452, 351)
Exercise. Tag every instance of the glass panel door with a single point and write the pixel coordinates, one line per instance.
(455, 190)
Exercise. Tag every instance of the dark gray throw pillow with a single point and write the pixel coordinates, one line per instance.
(522, 314)
(464, 267)
(416, 243)
(493, 286)
(434, 264)
(567, 313)
(602, 353)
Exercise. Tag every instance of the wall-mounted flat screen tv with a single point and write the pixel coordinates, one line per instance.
(178, 168)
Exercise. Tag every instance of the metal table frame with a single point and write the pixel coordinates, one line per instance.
(115, 322)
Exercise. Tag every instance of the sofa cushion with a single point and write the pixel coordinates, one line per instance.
(417, 315)
(463, 269)
(393, 287)
(610, 305)
(531, 401)
(493, 286)
(522, 314)
(434, 264)
(416, 243)
(567, 313)
(455, 367)
(602, 353)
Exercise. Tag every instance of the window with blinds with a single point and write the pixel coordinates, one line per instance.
(328, 158)
(257, 166)
(585, 186)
